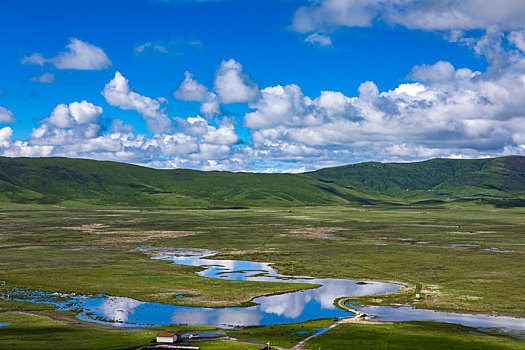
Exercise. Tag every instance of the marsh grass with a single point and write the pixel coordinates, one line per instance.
(130, 274)
(285, 335)
(52, 250)
(37, 332)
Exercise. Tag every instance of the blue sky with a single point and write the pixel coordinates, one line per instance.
(250, 85)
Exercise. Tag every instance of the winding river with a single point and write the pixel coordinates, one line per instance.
(291, 307)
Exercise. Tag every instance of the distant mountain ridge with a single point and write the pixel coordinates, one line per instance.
(84, 182)
(87, 183)
(501, 177)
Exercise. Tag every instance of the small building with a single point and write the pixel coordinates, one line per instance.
(167, 338)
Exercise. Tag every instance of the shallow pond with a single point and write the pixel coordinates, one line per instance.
(513, 326)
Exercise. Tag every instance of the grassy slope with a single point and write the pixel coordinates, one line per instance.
(88, 183)
(74, 181)
(433, 179)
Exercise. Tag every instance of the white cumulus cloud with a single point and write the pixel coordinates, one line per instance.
(328, 15)
(211, 105)
(78, 55)
(319, 39)
(190, 89)
(232, 85)
(6, 116)
(118, 93)
(224, 134)
(76, 113)
(44, 78)
(5, 136)
(281, 105)
(446, 112)
(518, 39)
(36, 59)
(61, 116)
(85, 112)
(440, 111)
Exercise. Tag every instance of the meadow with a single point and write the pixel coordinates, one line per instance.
(461, 256)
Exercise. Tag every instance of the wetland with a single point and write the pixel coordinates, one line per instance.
(123, 262)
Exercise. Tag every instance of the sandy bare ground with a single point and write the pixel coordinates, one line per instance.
(313, 232)
(123, 236)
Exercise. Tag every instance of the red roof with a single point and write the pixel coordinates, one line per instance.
(166, 335)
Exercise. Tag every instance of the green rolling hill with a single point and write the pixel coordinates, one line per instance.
(435, 179)
(88, 183)
(82, 182)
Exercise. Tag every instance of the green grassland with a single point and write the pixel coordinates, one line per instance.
(286, 335)
(93, 251)
(27, 331)
(410, 335)
(388, 335)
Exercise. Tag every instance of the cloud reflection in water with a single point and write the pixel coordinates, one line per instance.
(276, 309)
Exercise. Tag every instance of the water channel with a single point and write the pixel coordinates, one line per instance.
(291, 307)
